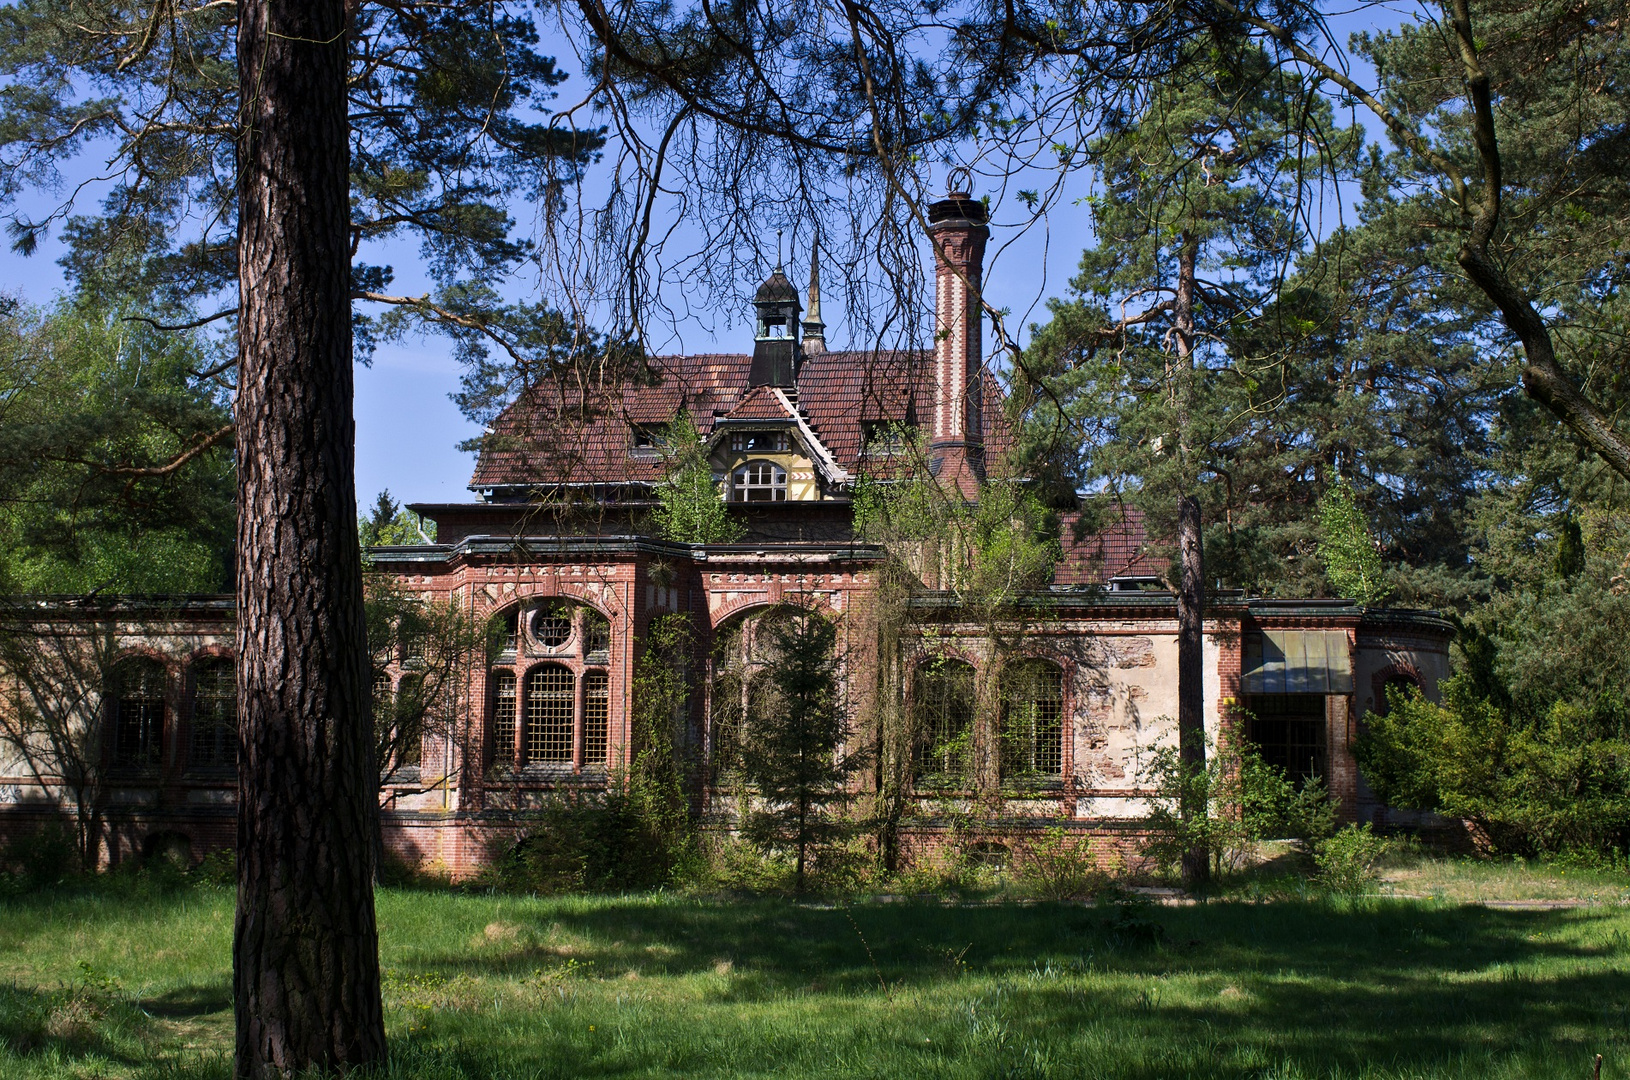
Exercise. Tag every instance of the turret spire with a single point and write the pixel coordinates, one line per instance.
(814, 328)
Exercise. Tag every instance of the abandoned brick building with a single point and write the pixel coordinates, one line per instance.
(552, 548)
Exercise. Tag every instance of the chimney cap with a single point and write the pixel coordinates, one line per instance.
(958, 205)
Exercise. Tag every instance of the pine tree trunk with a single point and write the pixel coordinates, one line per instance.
(306, 954)
(1191, 724)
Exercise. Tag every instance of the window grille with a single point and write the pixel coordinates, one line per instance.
(1032, 721)
(942, 707)
(1289, 731)
(550, 697)
(552, 627)
(596, 717)
(406, 729)
(596, 635)
(138, 721)
(214, 715)
(759, 481)
(503, 718)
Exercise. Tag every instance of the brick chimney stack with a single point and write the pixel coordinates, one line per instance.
(957, 226)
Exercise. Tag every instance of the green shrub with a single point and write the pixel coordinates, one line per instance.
(44, 856)
(597, 842)
(1349, 861)
(1247, 800)
(1057, 868)
(1535, 784)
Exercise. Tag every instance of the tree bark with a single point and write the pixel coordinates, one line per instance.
(1191, 723)
(306, 953)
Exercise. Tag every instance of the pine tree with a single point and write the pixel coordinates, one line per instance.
(1196, 225)
(794, 755)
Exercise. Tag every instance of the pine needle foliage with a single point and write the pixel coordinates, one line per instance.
(794, 755)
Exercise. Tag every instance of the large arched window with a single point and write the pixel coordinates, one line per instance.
(214, 742)
(759, 481)
(1032, 721)
(551, 697)
(942, 707)
(741, 687)
(138, 713)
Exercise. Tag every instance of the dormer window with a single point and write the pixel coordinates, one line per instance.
(760, 442)
(649, 437)
(759, 481)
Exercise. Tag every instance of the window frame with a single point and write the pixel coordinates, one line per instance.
(741, 487)
(211, 729)
(1032, 696)
(152, 707)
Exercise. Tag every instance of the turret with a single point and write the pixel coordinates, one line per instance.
(775, 344)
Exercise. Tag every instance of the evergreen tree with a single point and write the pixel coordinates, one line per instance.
(794, 756)
(1197, 223)
(115, 461)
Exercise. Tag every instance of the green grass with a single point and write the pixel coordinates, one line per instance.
(116, 984)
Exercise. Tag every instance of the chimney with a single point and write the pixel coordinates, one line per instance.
(957, 227)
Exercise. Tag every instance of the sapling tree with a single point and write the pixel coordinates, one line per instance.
(795, 756)
(689, 507)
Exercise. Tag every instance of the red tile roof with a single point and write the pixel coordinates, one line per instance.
(1120, 549)
(571, 433)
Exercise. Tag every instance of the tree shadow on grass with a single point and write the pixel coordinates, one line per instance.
(1223, 989)
(67, 1024)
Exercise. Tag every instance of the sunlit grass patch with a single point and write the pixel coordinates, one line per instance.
(671, 985)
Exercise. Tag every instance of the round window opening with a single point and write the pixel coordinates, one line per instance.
(551, 627)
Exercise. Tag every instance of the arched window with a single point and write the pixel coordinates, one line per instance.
(504, 717)
(1032, 721)
(138, 713)
(942, 706)
(214, 743)
(596, 717)
(551, 697)
(759, 481)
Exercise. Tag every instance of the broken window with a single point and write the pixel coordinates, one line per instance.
(1289, 730)
(1032, 721)
(138, 713)
(942, 708)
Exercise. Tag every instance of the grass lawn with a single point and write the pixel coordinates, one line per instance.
(129, 985)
